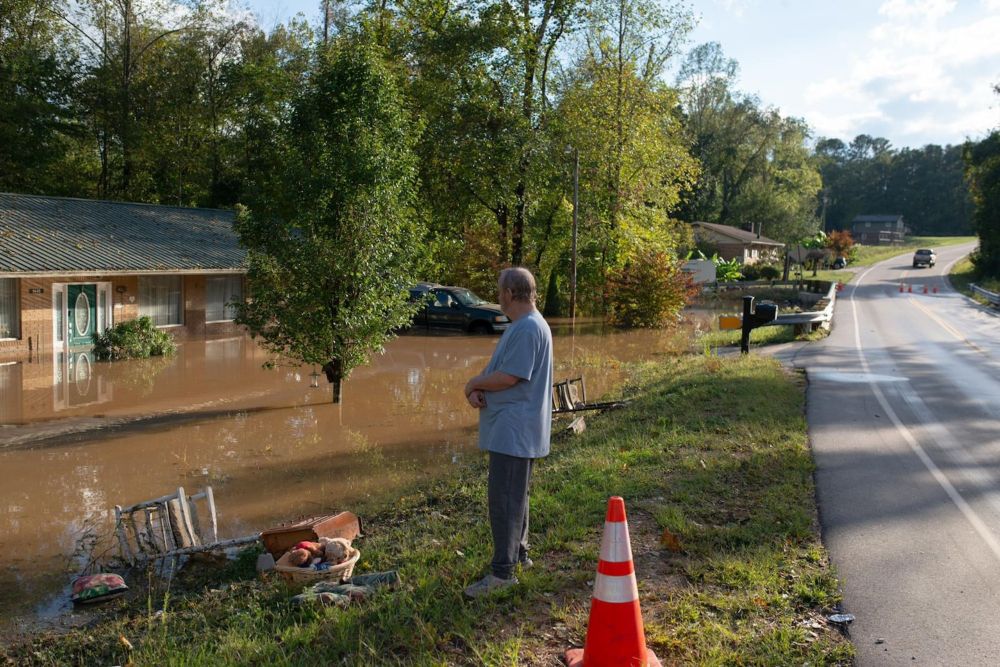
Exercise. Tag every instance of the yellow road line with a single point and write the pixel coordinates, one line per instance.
(947, 327)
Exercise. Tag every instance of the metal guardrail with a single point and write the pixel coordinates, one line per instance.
(810, 317)
(992, 297)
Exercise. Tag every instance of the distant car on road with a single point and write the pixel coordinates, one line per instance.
(924, 257)
(458, 308)
(840, 263)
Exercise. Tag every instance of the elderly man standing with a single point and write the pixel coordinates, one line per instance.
(514, 398)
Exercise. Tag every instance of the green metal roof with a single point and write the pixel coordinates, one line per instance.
(51, 235)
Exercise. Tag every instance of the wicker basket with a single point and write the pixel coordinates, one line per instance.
(307, 575)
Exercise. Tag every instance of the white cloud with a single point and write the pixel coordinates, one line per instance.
(737, 7)
(926, 72)
(925, 9)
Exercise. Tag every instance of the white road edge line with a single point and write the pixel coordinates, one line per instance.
(963, 506)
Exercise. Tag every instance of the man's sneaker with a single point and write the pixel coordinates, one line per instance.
(527, 563)
(488, 585)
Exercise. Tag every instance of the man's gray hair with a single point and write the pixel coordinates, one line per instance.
(520, 282)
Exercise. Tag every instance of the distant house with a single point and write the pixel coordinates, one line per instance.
(878, 229)
(746, 247)
(73, 267)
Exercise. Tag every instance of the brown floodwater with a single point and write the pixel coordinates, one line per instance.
(80, 436)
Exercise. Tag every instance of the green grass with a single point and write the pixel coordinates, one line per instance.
(963, 275)
(711, 340)
(711, 451)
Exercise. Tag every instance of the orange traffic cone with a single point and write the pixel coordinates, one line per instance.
(615, 637)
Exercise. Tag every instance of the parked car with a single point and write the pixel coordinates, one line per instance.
(924, 257)
(458, 308)
(840, 263)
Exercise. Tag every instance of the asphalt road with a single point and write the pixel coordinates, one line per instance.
(903, 411)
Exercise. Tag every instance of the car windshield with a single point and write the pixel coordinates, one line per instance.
(467, 297)
(924, 251)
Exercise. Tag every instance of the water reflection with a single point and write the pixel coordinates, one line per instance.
(273, 448)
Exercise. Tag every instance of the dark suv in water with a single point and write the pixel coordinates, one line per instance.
(458, 308)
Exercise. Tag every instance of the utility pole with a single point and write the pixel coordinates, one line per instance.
(576, 205)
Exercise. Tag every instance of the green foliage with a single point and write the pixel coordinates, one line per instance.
(868, 175)
(727, 270)
(769, 272)
(649, 291)
(760, 272)
(133, 339)
(755, 164)
(983, 171)
(331, 242)
(38, 120)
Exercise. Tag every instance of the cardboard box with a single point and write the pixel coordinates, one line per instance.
(279, 540)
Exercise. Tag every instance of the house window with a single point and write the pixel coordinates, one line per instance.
(221, 295)
(10, 313)
(160, 299)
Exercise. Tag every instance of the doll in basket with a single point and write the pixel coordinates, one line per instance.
(328, 552)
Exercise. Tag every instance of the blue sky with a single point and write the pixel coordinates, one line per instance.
(913, 71)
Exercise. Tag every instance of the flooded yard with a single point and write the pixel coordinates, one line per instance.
(80, 436)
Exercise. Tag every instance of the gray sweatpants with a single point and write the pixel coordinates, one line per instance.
(507, 496)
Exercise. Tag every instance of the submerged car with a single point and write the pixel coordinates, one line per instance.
(924, 257)
(458, 308)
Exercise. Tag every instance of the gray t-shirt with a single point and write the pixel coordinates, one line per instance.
(518, 421)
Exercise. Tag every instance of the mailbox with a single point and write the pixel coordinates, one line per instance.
(765, 313)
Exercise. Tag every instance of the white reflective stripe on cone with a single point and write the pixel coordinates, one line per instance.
(608, 588)
(615, 547)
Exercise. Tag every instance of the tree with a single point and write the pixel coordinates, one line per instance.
(331, 243)
(982, 161)
(649, 291)
(616, 111)
(38, 120)
(839, 242)
(925, 185)
(755, 165)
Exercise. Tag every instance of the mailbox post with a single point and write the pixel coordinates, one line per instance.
(753, 318)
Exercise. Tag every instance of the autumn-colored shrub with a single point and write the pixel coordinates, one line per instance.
(649, 291)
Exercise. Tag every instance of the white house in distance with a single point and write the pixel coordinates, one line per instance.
(746, 247)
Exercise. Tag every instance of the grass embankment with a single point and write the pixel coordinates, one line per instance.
(711, 450)
(963, 275)
(712, 340)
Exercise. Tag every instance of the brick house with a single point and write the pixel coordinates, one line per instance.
(71, 267)
(878, 229)
(746, 247)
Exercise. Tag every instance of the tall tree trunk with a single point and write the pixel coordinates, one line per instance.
(334, 371)
(503, 216)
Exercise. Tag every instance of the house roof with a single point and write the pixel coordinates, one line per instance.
(736, 234)
(56, 235)
(877, 218)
